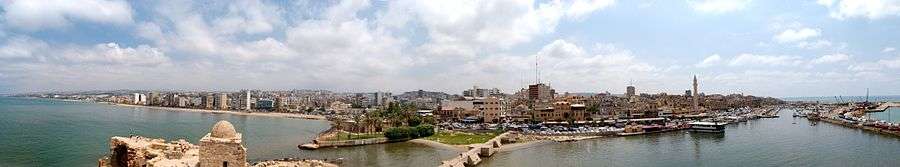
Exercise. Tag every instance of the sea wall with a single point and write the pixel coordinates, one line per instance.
(475, 153)
(345, 143)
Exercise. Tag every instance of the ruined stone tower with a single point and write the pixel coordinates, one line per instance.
(222, 147)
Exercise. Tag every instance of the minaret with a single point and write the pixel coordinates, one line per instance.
(696, 96)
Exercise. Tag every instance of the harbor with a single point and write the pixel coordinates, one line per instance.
(740, 140)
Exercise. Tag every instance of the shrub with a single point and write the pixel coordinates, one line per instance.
(396, 133)
(414, 121)
(404, 133)
(425, 130)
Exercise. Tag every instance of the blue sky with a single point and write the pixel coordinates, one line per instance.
(769, 48)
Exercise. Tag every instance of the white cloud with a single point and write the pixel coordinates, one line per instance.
(890, 63)
(709, 61)
(249, 16)
(21, 47)
(879, 65)
(871, 9)
(112, 53)
(580, 8)
(41, 14)
(486, 25)
(888, 49)
(794, 35)
(753, 59)
(565, 65)
(718, 6)
(832, 58)
(818, 44)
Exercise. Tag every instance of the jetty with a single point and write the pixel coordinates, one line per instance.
(885, 106)
(476, 152)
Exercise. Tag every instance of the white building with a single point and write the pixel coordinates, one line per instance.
(139, 98)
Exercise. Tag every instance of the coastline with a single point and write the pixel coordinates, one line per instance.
(266, 114)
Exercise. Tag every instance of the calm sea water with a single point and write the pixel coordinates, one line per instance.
(834, 99)
(41, 132)
(891, 115)
(36, 132)
(784, 141)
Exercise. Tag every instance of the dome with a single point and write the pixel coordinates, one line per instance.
(223, 129)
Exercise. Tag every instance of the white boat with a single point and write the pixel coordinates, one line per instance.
(708, 127)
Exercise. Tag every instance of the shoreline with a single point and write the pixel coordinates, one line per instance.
(265, 114)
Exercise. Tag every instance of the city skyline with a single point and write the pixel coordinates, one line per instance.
(765, 48)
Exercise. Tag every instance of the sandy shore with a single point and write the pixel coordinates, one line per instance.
(266, 114)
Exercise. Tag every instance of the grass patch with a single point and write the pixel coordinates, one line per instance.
(353, 136)
(461, 138)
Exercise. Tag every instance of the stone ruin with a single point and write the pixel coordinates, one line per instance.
(220, 148)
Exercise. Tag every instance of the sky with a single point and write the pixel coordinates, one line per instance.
(766, 48)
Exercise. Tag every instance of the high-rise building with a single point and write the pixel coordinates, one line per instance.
(540, 92)
(154, 99)
(171, 100)
(139, 98)
(696, 96)
(245, 100)
(222, 101)
(382, 98)
(208, 101)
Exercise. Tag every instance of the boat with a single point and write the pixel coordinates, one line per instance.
(708, 127)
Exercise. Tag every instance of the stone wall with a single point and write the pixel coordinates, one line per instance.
(215, 154)
(344, 143)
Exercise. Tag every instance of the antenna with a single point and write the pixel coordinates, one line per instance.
(537, 68)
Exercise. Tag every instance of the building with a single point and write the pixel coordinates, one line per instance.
(339, 107)
(171, 100)
(478, 92)
(222, 147)
(245, 100)
(540, 92)
(457, 109)
(383, 98)
(139, 99)
(154, 99)
(265, 104)
(629, 91)
(561, 111)
(208, 102)
(221, 102)
(492, 109)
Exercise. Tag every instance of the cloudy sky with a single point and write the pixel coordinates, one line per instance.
(770, 48)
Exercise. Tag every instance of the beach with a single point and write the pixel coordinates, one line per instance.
(266, 114)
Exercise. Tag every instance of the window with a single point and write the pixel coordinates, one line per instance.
(224, 163)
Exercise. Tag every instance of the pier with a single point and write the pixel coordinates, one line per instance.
(476, 152)
(885, 106)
